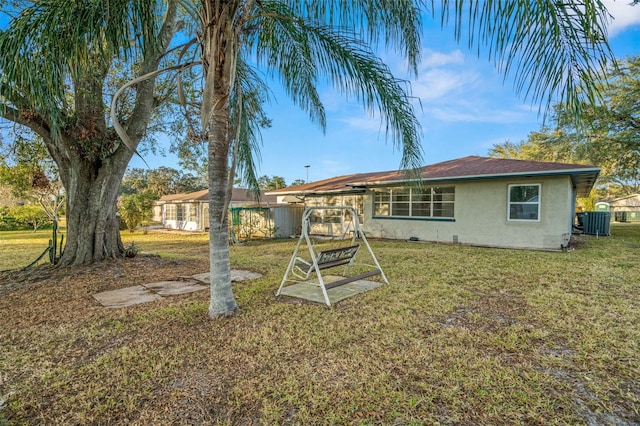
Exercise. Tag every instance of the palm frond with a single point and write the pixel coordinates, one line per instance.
(394, 23)
(301, 53)
(555, 51)
(249, 117)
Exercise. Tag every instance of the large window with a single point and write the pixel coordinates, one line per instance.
(170, 212)
(436, 202)
(524, 202)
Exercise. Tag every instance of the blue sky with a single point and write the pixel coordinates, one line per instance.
(466, 109)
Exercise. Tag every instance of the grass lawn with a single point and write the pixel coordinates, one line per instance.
(462, 335)
(20, 248)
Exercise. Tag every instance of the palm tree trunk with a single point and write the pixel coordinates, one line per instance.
(219, 52)
(222, 302)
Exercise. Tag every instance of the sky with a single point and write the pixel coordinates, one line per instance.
(465, 108)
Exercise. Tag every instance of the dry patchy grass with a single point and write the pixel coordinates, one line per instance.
(20, 248)
(462, 335)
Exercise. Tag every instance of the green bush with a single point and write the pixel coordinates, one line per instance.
(136, 209)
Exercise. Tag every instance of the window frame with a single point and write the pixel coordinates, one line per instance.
(170, 211)
(383, 199)
(528, 203)
(180, 212)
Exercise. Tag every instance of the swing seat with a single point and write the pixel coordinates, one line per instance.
(327, 259)
(303, 268)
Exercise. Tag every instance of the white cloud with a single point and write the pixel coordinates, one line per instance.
(438, 84)
(442, 76)
(624, 15)
(432, 59)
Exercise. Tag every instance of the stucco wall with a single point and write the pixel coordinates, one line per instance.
(481, 217)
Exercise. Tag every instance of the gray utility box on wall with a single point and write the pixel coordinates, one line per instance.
(596, 223)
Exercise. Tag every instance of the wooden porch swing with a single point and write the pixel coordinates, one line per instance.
(300, 270)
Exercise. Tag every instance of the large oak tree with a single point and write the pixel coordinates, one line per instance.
(56, 58)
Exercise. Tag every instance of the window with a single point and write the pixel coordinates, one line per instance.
(170, 212)
(443, 199)
(381, 203)
(193, 212)
(180, 212)
(421, 202)
(524, 202)
(435, 202)
(400, 202)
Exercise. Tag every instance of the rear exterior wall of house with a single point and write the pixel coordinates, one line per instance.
(534, 212)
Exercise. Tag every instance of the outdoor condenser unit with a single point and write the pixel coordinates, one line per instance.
(596, 223)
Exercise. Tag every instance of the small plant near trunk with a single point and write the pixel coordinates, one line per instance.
(132, 250)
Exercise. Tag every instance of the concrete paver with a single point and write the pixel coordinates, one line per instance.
(170, 288)
(128, 296)
(150, 292)
(237, 275)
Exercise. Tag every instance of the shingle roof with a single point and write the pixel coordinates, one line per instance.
(472, 167)
(237, 195)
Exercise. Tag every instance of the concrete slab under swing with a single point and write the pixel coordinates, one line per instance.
(311, 290)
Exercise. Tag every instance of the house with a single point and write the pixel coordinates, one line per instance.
(249, 218)
(472, 200)
(624, 209)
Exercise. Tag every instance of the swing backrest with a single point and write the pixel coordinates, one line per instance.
(338, 256)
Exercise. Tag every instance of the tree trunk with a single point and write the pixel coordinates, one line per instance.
(222, 302)
(93, 231)
(219, 54)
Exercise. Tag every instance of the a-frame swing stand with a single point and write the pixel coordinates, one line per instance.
(304, 276)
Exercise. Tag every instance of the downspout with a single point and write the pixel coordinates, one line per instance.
(572, 213)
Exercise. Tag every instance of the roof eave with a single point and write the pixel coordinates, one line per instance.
(569, 172)
(348, 190)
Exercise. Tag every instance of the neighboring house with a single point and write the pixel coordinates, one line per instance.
(248, 219)
(190, 212)
(471, 200)
(624, 209)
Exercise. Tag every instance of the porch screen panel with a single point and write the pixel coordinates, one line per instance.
(193, 212)
(332, 216)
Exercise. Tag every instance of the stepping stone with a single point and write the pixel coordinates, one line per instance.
(127, 296)
(237, 275)
(170, 288)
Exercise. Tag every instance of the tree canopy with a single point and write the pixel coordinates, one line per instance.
(60, 64)
(161, 181)
(608, 135)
